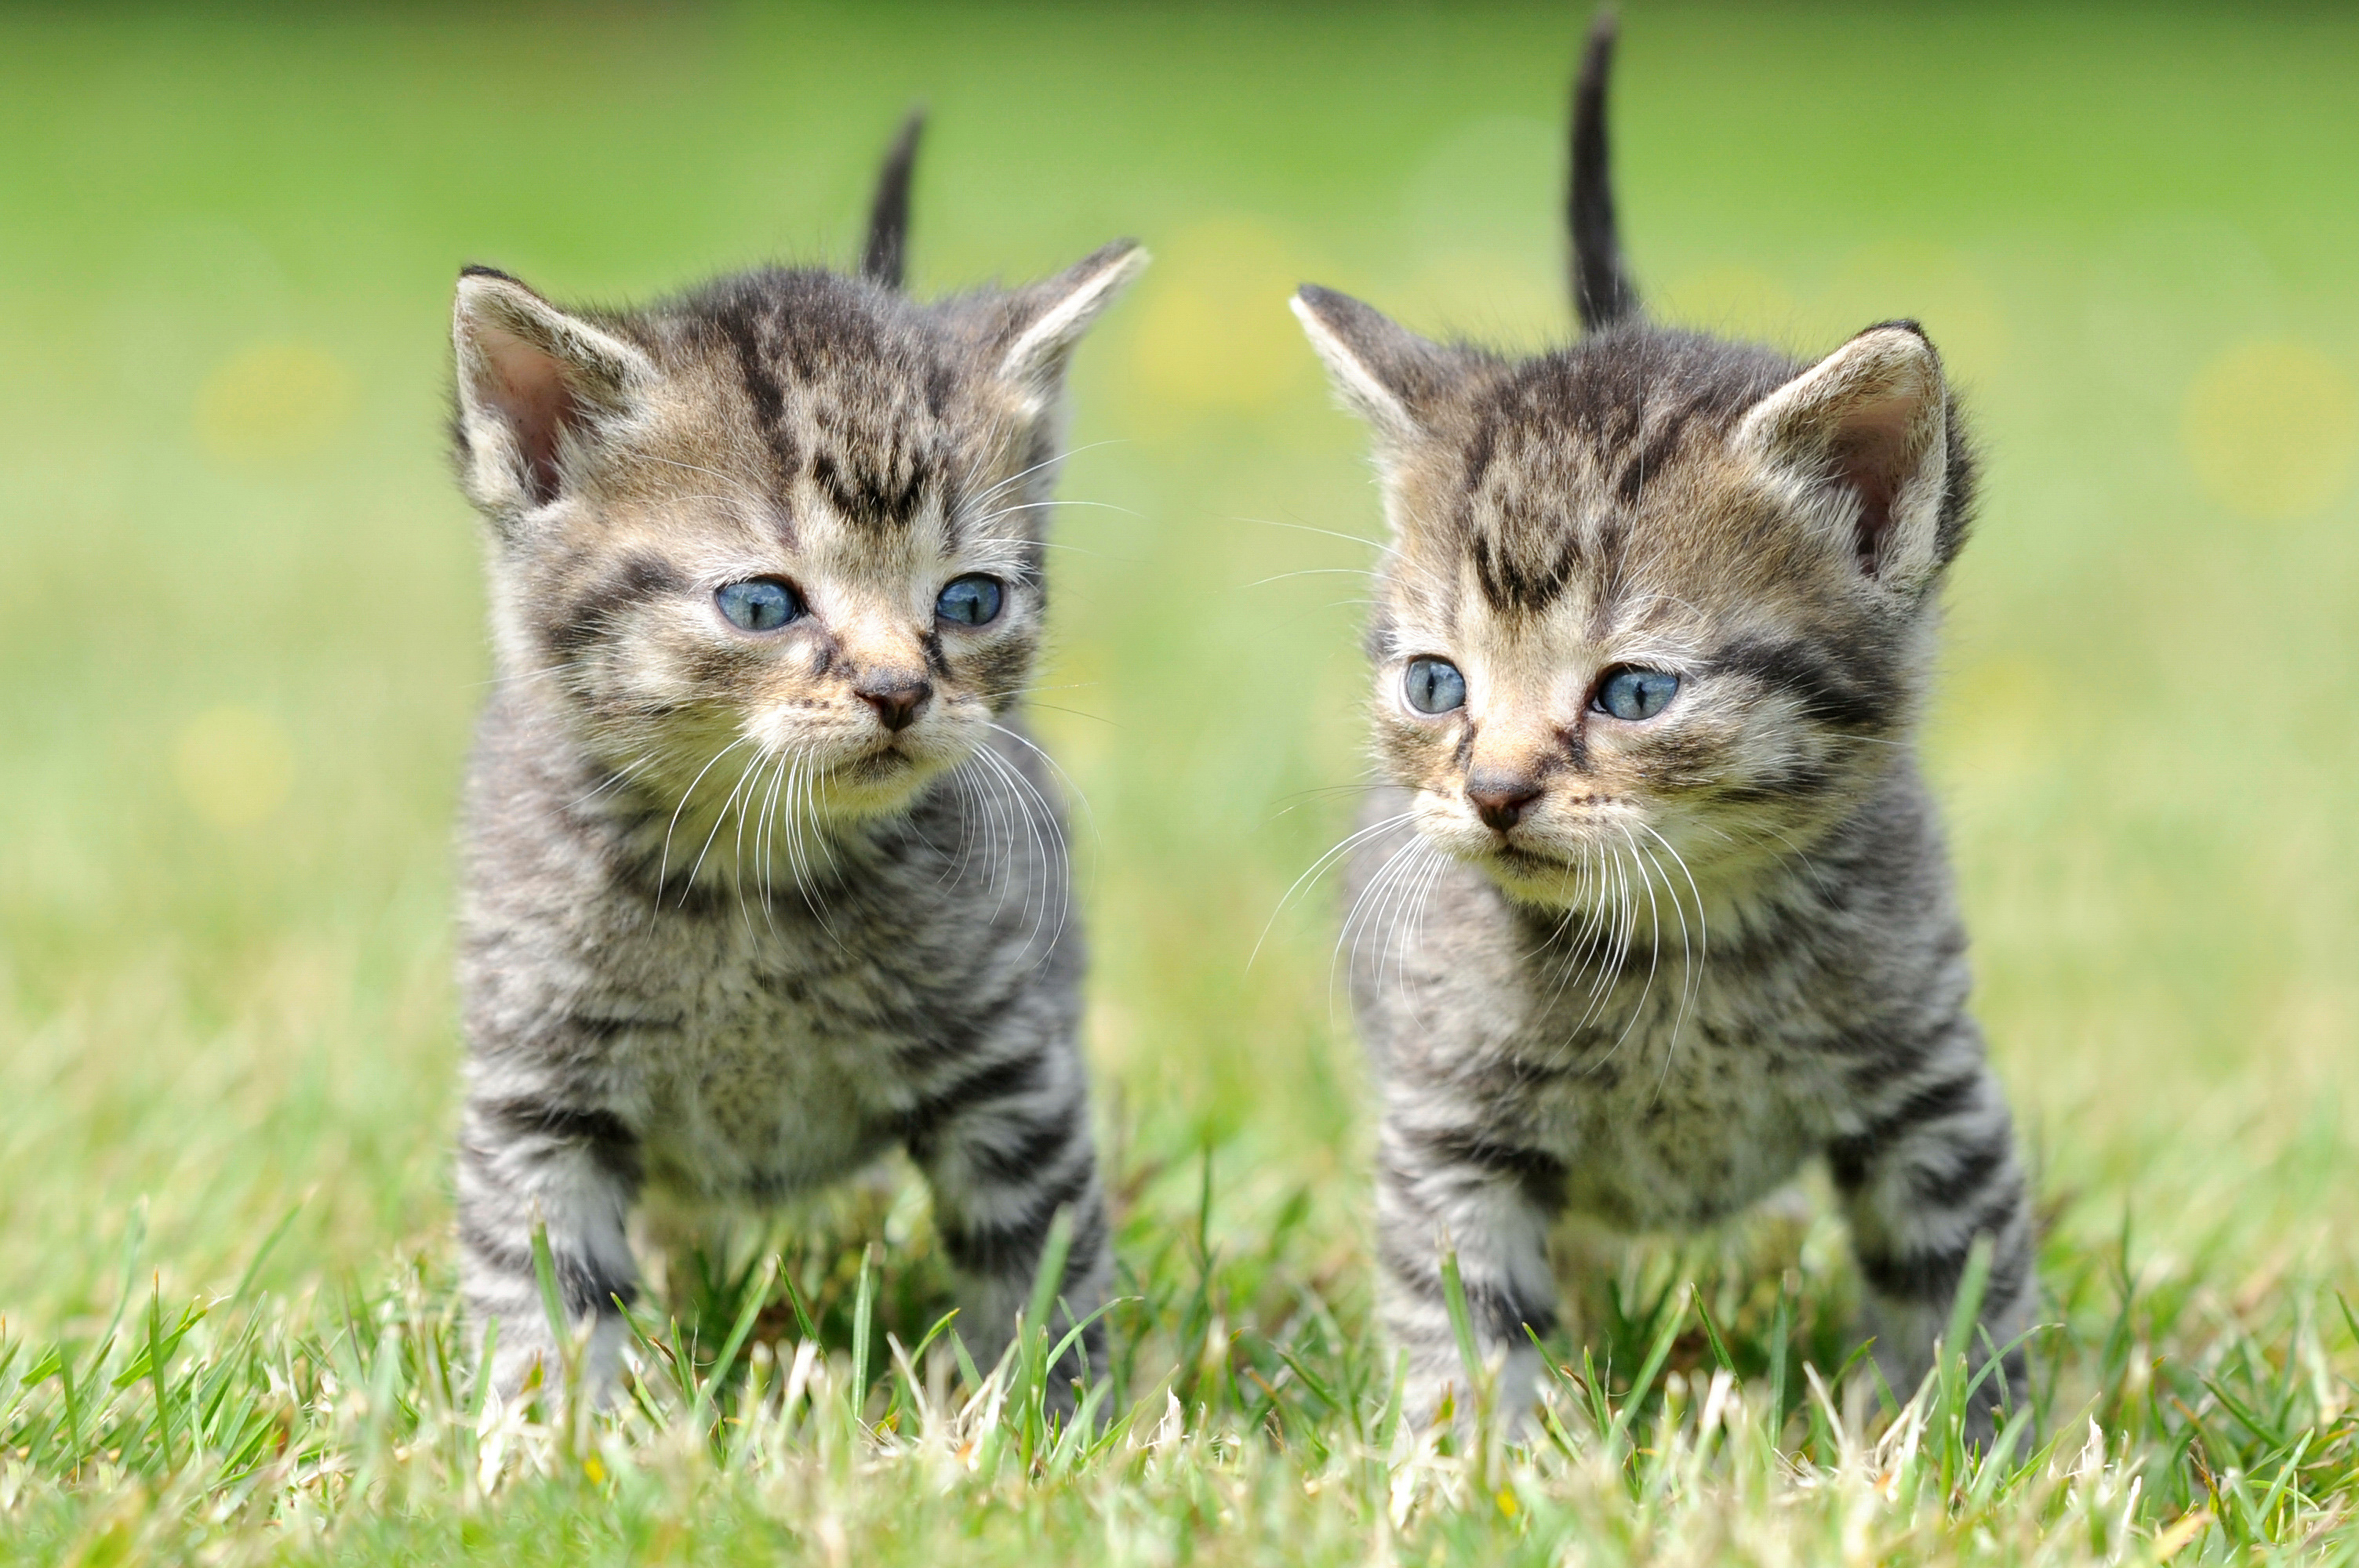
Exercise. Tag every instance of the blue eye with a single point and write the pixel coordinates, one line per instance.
(764, 604)
(969, 601)
(1629, 692)
(1434, 685)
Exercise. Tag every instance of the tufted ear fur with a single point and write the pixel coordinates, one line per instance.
(1049, 317)
(532, 380)
(1384, 373)
(1864, 433)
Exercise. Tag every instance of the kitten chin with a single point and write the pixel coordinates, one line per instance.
(884, 783)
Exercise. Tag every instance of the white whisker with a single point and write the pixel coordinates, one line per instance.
(1375, 894)
(726, 805)
(1318, 866)
(663, 867)
(1071, 788)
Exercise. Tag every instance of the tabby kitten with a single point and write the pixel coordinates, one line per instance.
(763, 875)
(1653, 907)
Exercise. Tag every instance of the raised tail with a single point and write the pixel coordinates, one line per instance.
(1602, 290)
(884, 258)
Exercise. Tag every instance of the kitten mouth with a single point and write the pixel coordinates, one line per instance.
(883, 763)
(1524, 861)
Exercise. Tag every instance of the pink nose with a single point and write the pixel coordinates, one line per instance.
(1501, 800)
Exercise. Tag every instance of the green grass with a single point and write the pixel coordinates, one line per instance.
(240, 645)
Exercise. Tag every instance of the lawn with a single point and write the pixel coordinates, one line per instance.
(239, 647)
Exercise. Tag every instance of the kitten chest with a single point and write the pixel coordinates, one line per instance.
(1684, 1111)
(777, 1079)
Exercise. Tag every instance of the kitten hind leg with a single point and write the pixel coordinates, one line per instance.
(1932, 1172)
(1490, 1200)
(523, 1163)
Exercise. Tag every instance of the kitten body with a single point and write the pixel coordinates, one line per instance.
(1654, 906)
(765, 876)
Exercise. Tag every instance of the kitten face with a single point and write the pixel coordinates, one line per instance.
(704, 585)
(786, 532)
(1650, 594)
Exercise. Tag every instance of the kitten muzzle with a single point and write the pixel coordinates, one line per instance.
(1502, 800)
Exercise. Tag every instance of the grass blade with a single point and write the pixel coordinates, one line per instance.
(1674, 1317)
(749, 1309)
(1461, 1319)
(863, 1311)
(262, 1254)
(155, 1372)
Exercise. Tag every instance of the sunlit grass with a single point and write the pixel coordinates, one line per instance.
(239, 647)
(1703, 1420)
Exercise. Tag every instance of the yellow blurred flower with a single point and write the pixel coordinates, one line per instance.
(2271, 428)
(234, 765)
(270, 403)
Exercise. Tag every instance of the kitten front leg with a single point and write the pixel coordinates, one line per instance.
(1006, 1147)
(1491, 1198)
(1933, 1169)
(529, 1160)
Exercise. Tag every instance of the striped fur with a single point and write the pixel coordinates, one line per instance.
(745, 911)
(1644, 968)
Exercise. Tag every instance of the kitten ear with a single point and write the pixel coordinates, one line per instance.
(1386, 373)
(1866, 429)
(1048, 319)
(530, 376)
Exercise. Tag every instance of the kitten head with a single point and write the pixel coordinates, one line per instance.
(790, 520)
(1653, 592)
(1650, 589)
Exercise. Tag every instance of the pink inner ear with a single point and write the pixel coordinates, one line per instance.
(1872, 453)
(527, 386)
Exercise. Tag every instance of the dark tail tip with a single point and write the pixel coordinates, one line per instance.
(884, 257)
(1602, 290)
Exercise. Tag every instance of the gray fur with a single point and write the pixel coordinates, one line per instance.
(742, 911)
(1645, 969)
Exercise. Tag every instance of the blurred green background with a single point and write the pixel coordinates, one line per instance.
(240, 641)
